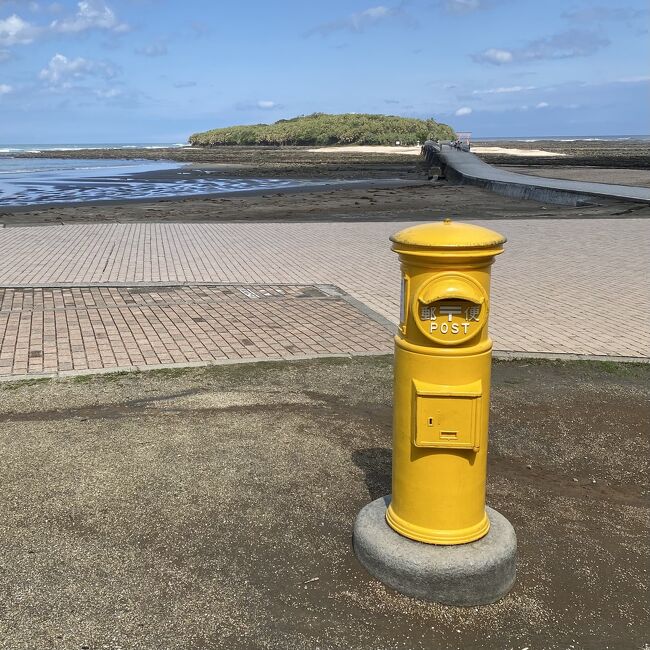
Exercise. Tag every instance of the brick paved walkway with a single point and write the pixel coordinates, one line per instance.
(53, 330)
(562, 286)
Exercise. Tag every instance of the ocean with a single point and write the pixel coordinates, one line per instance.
(39, 148)
(564, 138)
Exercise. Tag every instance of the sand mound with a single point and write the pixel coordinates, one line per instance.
(516, 152)
(415, 151)
(406, 151)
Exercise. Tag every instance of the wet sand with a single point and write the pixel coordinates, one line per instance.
(181, 181)
(392, 187)
(417, 201)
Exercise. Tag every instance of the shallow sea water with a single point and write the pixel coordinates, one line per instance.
(43, 181)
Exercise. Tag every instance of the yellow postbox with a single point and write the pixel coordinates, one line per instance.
(442, 382)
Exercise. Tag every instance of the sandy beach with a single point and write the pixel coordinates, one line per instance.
(415, 151)
(518, 153)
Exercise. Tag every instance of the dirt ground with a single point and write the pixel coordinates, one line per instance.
(213, 508)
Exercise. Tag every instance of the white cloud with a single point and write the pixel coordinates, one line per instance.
(264, 104)
(604, 14)
(462, 6)
(463, 110)
(154, 49)
(542, 105)
(61, 72)
(5, 89)
(374, 13)
(563, 45)
(494, 55)
(357, 22)
(502, 89)
(633, 80)
(108, 93)
(5, 55)
(16, 31)
(91, 14)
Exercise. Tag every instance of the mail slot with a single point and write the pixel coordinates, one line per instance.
(442, 382)
(447, 417)
(451, 309)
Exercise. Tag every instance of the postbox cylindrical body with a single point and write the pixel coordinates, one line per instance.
(442, 382)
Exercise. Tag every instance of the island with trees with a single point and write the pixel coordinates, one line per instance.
(323, 129)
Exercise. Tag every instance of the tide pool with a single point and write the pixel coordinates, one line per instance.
(45, 181)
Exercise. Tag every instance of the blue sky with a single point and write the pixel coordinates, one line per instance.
(159, 70)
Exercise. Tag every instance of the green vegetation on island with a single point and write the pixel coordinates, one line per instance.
(321, 129)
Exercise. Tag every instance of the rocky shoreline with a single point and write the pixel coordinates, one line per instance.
(263, 162)
(300, 162)
(616, 154)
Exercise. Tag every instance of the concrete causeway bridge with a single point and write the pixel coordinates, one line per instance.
(461, 166)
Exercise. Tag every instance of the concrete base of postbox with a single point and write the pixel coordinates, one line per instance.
(477, 573)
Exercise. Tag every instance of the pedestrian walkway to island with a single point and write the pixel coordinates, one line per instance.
(119, 296)
(464, 167)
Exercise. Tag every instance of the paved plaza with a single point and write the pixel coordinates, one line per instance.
(83, 297)
(88, 328)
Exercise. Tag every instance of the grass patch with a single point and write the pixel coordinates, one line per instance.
(114, 376)
(82, 379)
(215, 372)
(170, 373)
(23, 383)
(618, 368)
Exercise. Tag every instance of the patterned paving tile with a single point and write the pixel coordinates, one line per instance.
(48, 330)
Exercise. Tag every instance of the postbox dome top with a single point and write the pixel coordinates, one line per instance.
(448, 235)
